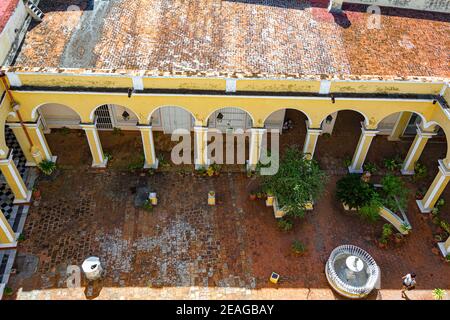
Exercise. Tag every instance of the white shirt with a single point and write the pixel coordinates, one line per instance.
(409, 280)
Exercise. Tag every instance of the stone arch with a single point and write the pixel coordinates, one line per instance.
(149, 117)
(366, 119)
(231, 107)
(43, 105)
(127, 108)
(308, 118)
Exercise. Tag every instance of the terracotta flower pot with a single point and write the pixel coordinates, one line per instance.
(37, 194)
(252, 197)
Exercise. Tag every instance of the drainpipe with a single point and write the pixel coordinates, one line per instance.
(35, 153)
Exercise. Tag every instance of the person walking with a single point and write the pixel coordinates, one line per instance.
(409, 283)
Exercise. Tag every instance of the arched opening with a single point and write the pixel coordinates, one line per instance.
(231, 125)
(120, 138)
(164, 121)
(339, 140)
(292, 125)
(397, 132)
(407, 124)
(65, 138)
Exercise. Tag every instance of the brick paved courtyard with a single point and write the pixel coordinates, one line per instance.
(185, 249)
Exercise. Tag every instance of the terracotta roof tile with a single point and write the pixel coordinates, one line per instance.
(277, 37)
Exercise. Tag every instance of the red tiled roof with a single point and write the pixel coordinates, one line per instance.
(7, 8)
(251, 36)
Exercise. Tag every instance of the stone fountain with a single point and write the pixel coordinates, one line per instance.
(352, 272)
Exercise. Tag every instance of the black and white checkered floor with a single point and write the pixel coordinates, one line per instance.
(6, 195)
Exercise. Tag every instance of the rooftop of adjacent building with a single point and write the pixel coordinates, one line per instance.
(275, 37)
(7, 8)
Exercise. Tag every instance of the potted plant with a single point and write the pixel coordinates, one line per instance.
(47, 167)
(8, 291)
(270, 198)
(438, 294)
(385, 235)
(36, 193)
(211, 198)
(285, 224)
(252, 196)
(354, 193)
(298, 248)
(297, 182)
(398, 238)
(420, 171)
(370, 168)
(147, 205)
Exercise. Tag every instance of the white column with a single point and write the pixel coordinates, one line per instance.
(14, 180)
(149, 146)
(415, 150)
(312, 135)
(445, 247)
(435, 190)
(256, 139)
(98, 158)
(7, 235)
(201, 147)
(361, 151)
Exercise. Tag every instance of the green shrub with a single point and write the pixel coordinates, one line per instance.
(394, 188)
(447, 257)
(108, 155)
(420, 171)
(65, 131)
(371, 210)
(147, 206)
(354, 192)
(386, 233)
(438, 294)
(445, 225)
(297, 182)
(392, 164)
(8, 291)
(117, 132)
(405, 227)
(285, 225)
(162, 161)
(137, 164)
(47, 167)
(298, 247)
(370, 167)
(347, 162)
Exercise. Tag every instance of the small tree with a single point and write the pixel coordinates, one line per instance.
(354, 192)
(297, 182)
(394, 190)
(47, 167)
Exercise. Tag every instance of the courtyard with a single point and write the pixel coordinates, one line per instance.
(185, 249)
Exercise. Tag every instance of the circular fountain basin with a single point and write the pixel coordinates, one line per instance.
(351, 271)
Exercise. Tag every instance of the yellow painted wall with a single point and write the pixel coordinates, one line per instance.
(185, 83)
(258, 107)
(386, 88)
(88, 81)
(278, 85)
